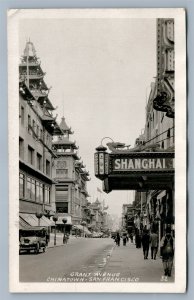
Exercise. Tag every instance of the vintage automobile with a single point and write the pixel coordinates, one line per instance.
(34, 238)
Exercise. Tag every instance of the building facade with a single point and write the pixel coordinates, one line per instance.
(155, 208)
(36, 130)
(70, 178)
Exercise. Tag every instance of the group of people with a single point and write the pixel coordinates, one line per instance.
(124, 237)
(166, 246)
(151, 240)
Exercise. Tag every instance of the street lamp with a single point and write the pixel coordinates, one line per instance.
(55, 219)
(83, 224)
(64, 222)
(39, 216)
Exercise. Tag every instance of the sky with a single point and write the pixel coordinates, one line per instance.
(100, 71)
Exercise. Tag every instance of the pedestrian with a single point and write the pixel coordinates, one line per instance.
(127, 237)
(124, 239)
(167, 251)
(131, 237)
(145, 243)
(118, 238)
(154, 244)
(138, 239)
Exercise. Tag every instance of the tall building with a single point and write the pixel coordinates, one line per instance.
(71, 178)
(156, 207)
(36, 130)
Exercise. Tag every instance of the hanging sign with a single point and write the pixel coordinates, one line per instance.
(142, 164)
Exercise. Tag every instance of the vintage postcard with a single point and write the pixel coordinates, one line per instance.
(97, 150)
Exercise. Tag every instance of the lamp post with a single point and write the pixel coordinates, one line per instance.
(39, 216)
(83, 224)
(55, 218)
(64, 237)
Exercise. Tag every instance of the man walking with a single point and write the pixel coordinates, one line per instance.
(154, 244)
(167, 250)
(145, 243)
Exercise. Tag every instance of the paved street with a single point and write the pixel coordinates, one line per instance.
(80, 255)
(93, 260)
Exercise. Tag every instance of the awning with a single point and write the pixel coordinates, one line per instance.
(23, 224)
(60, 220)
(80, 227)
(32, 220)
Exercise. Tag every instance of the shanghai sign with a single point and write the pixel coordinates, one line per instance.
(139, 164)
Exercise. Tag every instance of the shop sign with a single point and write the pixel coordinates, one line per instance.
(143, 164)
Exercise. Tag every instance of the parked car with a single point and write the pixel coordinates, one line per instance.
(34, 238)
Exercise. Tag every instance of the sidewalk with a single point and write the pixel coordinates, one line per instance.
(59, 240)
(129, 262)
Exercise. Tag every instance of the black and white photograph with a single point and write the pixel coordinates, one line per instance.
(97, 150)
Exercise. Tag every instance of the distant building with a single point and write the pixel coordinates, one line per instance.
(127, 217)
(71, 178)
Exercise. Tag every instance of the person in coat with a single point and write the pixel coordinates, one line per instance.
(124, 239)
(145, 243)
(154, 244)
(167, 251)
(118, 238)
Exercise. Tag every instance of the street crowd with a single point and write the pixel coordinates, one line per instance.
(148, 240)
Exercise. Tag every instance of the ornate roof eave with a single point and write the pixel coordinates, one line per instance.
(48, 104)
(67, 144)
(83, 191)
(34, 63)
(25, 91)
(51, 123)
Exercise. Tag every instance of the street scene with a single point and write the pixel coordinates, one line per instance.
(96, 150)
(95, 261)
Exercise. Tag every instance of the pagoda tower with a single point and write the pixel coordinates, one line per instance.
(70, 176)
(31, 77)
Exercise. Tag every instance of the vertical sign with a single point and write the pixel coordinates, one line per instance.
(101, 163)
(106, 163)
(96, 162)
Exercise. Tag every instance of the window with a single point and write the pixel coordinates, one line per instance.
(61, 173)
(29, 123)
(41, 134)
(39, 161)
(33, 189)
(46, 194)
(37, 131)
(33, 124)
(48, 167)
(30, 155)
(22, 115)
(39, 192)
(62, 193)
(22, 185)
(21, 148)
(62, 207)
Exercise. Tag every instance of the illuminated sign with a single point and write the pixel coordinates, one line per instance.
(145, 164)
